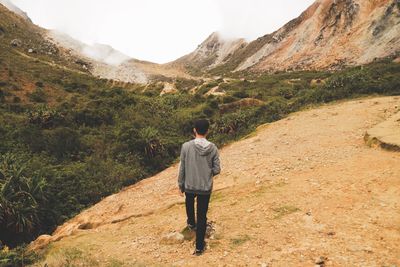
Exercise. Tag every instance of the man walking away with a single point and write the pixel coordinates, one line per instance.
(199, 162)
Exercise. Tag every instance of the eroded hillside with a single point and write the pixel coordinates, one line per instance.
(328, 35)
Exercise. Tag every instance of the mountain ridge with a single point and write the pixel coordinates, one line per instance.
(327, 35)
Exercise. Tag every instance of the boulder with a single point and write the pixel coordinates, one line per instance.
(16, 43)
(41, 242)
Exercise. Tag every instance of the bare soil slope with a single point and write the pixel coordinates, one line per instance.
(300, 191)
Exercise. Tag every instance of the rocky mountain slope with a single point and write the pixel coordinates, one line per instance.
(19, 37)
(328, 35)
(305, 196)
(214, 51)
(109, 63)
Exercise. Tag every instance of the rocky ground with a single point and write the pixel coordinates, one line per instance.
(302, 191)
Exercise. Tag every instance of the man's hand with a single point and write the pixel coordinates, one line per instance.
(180, 193)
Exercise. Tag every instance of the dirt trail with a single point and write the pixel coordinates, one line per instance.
(296, 190)
(51, 64)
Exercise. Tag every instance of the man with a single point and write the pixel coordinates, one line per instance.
(199, 162)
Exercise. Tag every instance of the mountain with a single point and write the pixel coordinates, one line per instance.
(104, 60)
(100, 60)
(305, 196)
(328, 35)
(15, 9)
(20, 38)
(214, 51)
(107, 62)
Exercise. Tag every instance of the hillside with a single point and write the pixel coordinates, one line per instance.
(328, 35)
(315, 195)
(214, 51)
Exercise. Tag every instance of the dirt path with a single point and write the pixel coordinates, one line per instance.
(51, 64)
(298, 189)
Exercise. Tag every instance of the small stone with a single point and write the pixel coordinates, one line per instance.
(16, 43)
(172, 238)
(320, 261)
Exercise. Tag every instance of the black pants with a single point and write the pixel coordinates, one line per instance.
(202, 207)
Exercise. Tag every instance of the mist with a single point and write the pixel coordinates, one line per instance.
(156, 30)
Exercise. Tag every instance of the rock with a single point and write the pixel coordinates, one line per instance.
(169, 88)
(320, 261)
(172, 238)
(40, 242)
(30, 50)
(16, 43)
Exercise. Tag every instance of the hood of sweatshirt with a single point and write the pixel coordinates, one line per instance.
(203, 146)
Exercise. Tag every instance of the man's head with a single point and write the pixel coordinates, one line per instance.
(201, 127)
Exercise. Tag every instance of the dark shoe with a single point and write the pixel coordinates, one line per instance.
(198, 252)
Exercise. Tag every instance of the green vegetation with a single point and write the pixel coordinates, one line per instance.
(69, 139)
(67, 149)
(17, 257)
(284, 210)
(240, 240)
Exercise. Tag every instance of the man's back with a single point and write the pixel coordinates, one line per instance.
(199, 163)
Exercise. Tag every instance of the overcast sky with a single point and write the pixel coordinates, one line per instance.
(160, 30)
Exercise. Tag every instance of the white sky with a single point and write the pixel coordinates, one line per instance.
(160, 30)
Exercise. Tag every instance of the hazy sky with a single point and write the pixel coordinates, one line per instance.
(160, 30)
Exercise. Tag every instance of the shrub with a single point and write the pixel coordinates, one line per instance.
(240, 94)
(38, 95)
(20, 198)
(17, 257)
(93, 117)
(76, 88)
(45, 117)
(63, 142)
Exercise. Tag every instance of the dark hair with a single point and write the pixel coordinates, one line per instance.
(201, 126)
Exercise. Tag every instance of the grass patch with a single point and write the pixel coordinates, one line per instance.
(216, 197)
(71, 257)
(115, 263)
(240, 240)
(283, 211)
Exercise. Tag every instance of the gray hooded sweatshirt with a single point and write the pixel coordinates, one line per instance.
(199, 162)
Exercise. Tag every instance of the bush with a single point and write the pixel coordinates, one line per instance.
(17, 257)
(241, 94)
(20, 199)
(93, 117)
(45, 117)
(63, 142)
(38, 96)
(76, 88)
